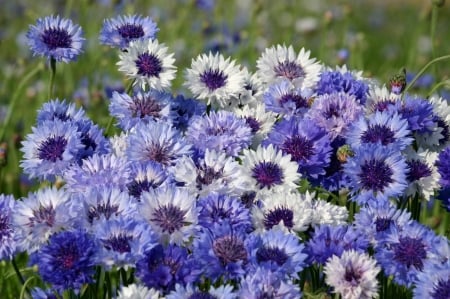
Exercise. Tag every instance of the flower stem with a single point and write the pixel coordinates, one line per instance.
(410, 84)
(16, 269)
(445, 83)
(16, 95)
(52, 77)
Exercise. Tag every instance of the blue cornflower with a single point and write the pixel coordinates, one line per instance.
(7, 230)
(403, 252)
(146, 176)
(308, 144)
(67, 261)
(143, 107)
(418, 112)
(376, 219)
(194, 292)
(185, 109)
(443, 167)
(328, 240)
(277, 251)
(56, 38)
(50, 149)
(163, 267)
(222, 252)
(335, 112)
(97, 170)
(219, 131)
(283, 98)
(433, 282)
(222, 209)
(215, 172)
(102, 202)
(93, 141)
(158, 142)
(376, 173)
(123, 241)
(120, 31)
(41, 214)
(57, 109)
(172, 213)
(264, 283)
(380, 128)
(38, 293)
(342, 81)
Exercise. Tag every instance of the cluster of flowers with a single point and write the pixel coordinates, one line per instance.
(199, 197)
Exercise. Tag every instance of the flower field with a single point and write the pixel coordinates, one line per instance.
(225, 149)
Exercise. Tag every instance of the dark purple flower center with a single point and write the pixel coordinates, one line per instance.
(417, 170)
(213, 79)
(135, 188)
(159, 153)
(148, 65)
(382, 224)
(352, 276)
(441, 290)
(206, 175)
(5, 227)
(201, 295)
(56, 38)
(88, 142)
(63, 116)
(219, 213)
(131, 31)
(267, 174)
(253, 124)
(145, 106)
(378, 133)
(169, 218)
(375, 175)
(68, 255)
(229, 249)
(119, 243)
(298, 100)
(52, 148)
(289, 69)
(248, 199)
(281, 213)
(445, 130)
(382, 105)
(43, 215)
(271, 254)
(410, 252)
(332, 111)
(299, 147)
(105, 209)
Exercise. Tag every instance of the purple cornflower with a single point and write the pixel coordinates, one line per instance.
(403, 252)
(308, 144)
(120, 31)
(264, 283)
(342, 81)
(194, 292)
(56, 38)
(50, 149)
(283, 98)
(382, 128)
(376, 173)
(433, 282)
(223, 210)
(163, 267)
(219, 131)
(97, 170)
(122, 241)
(335, 112)
(146, 176)
(158, 142)
(60, 110)
(93, 141)
(39, 215)
(142, 107)
(222, 252)
(328, 240)
(418, 112)
(277, 251)
(184, 109)
(443, 167)
(67, 261)
(7, 229)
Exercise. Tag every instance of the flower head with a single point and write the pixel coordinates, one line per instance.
(215, 79)
(7, 230)
(148, 63)
(56, 38)
(353, 275)
(134, 291)
(146, 176)
(433, 281)
(283, 98)
(120, 31)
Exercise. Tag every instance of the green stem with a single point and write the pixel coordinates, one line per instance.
(437, 86)
(52, 77)
(410, 84)
(16, 269)
(25, 287)
(16, 95)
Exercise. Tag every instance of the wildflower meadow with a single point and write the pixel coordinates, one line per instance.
(224, 149)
